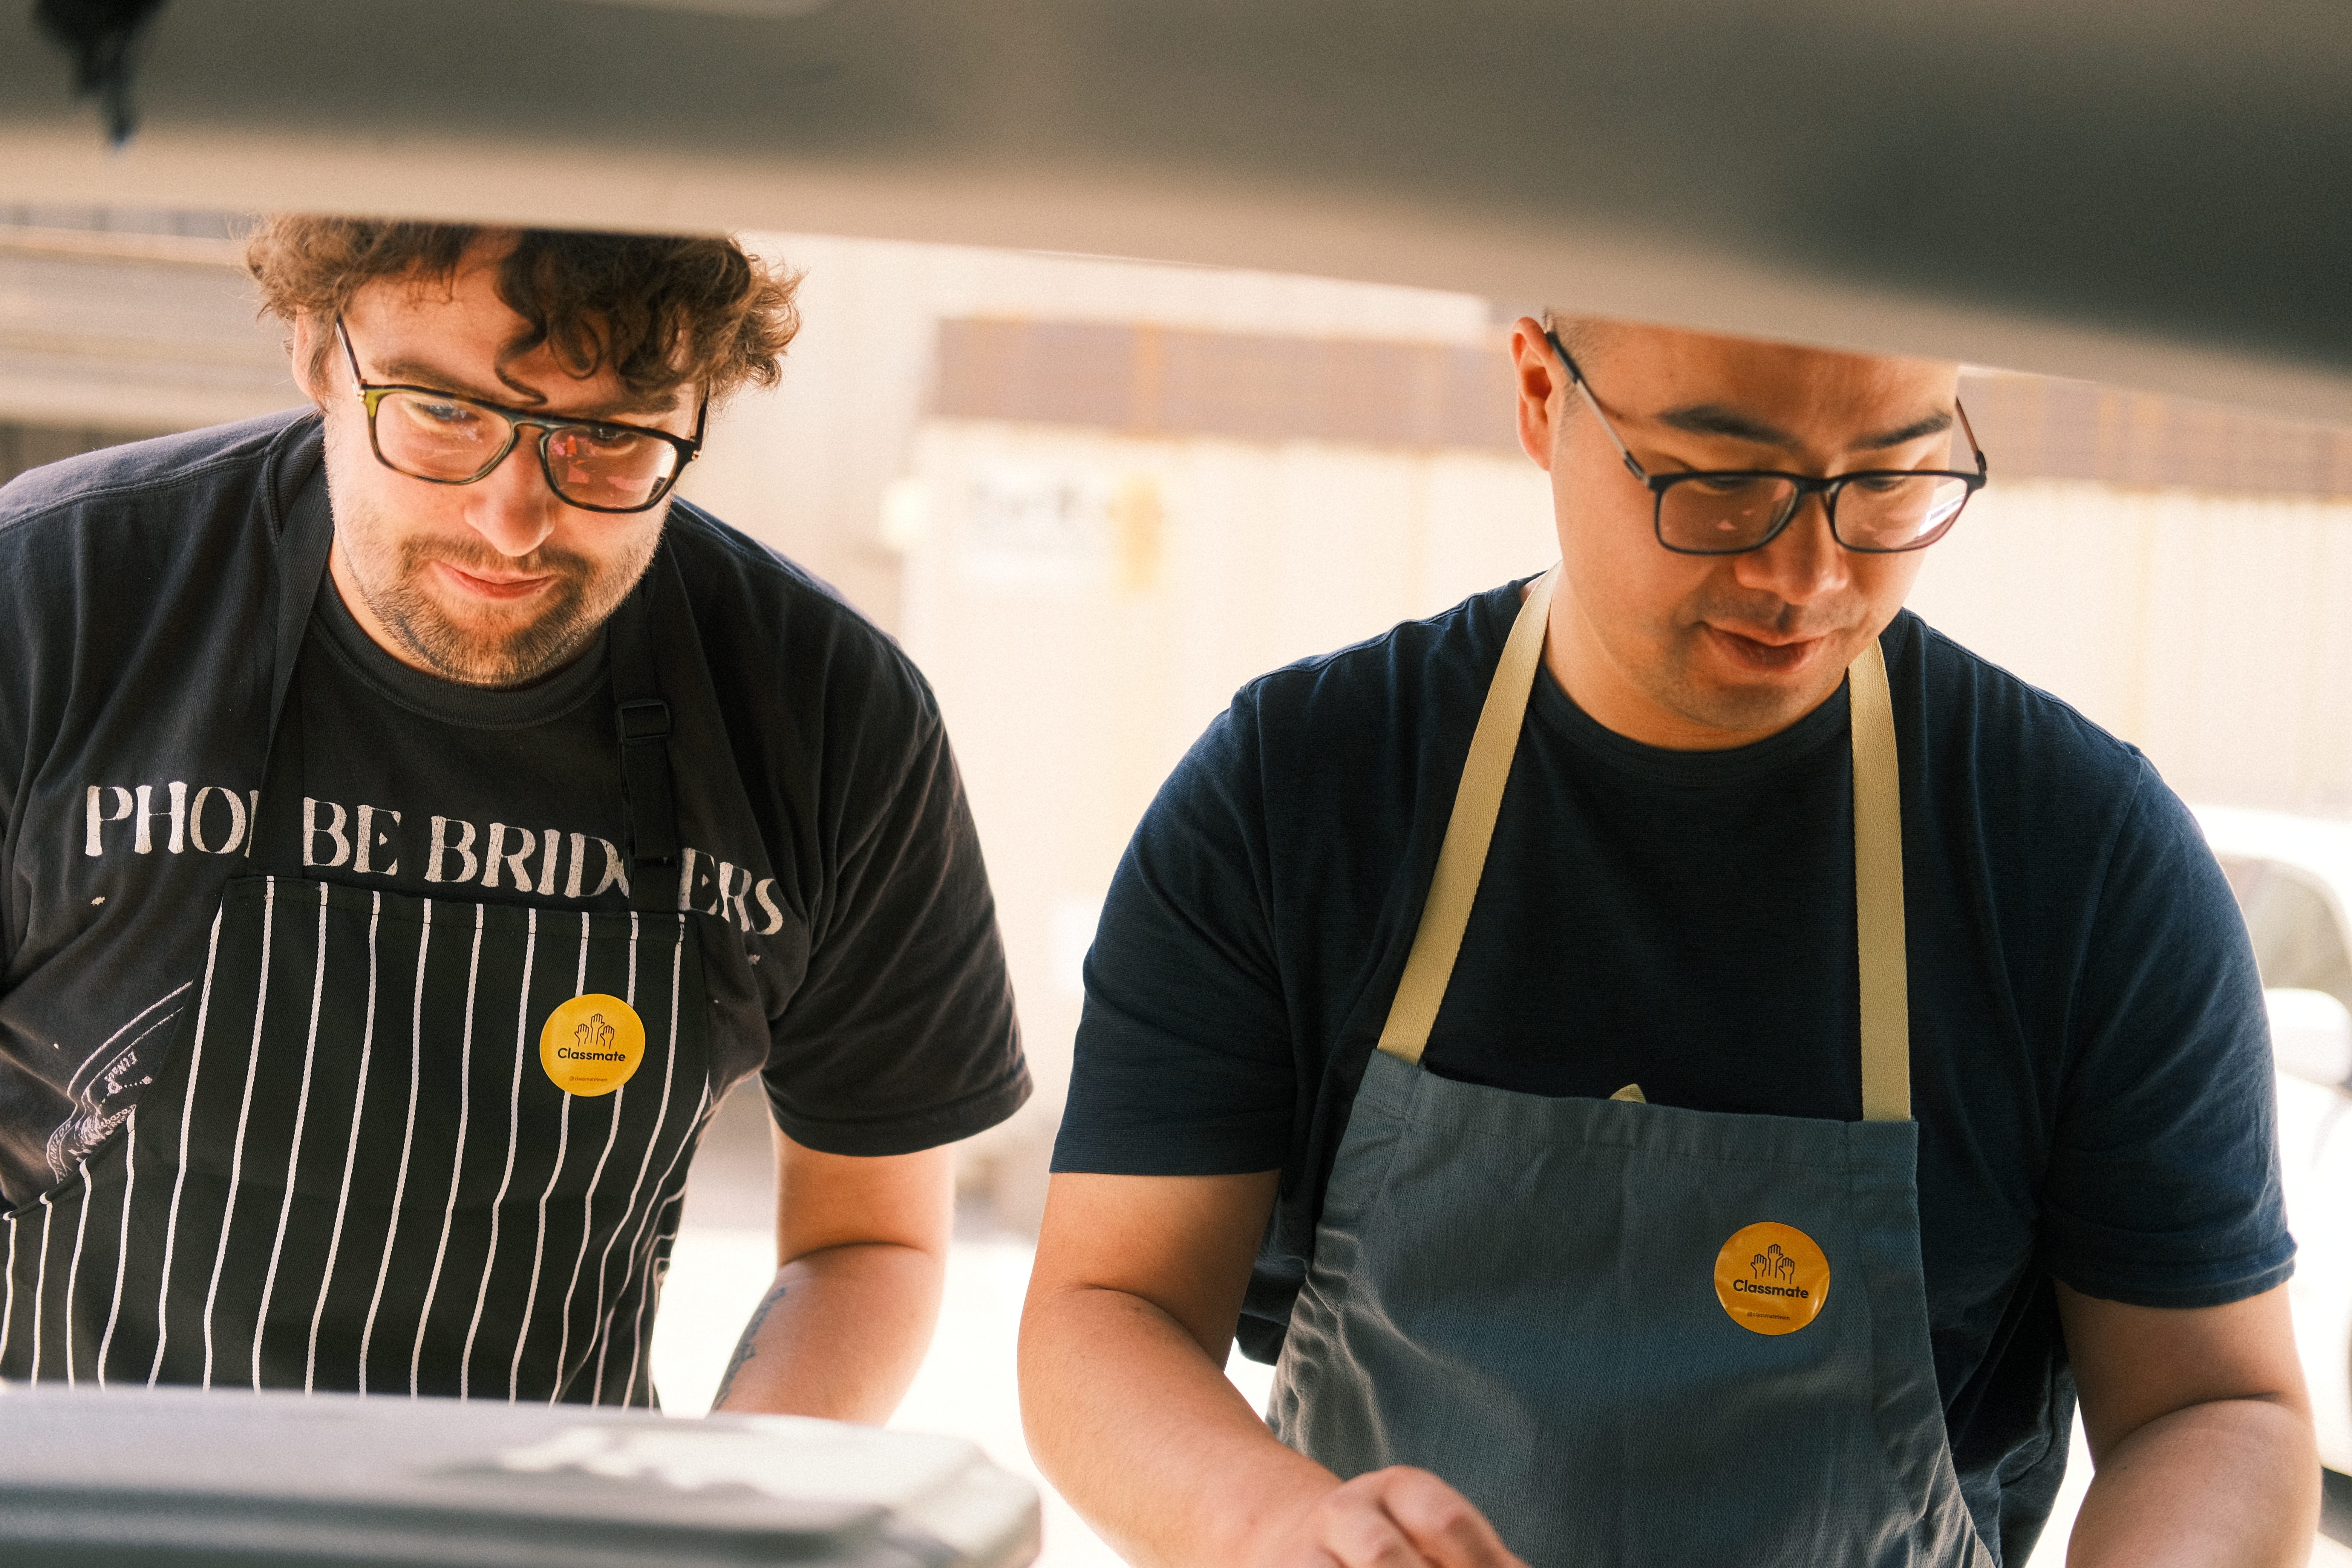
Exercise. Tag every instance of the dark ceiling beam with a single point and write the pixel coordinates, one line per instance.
(2154, 194)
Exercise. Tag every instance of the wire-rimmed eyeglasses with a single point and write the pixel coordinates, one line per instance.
(448, 439)
(1731, 511)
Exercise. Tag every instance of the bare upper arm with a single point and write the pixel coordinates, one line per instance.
(2133, 1364)
(843, 1200)
(1184, 1243)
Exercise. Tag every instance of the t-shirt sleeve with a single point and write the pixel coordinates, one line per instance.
(2163, 1188)
(1185, 1064)
(901, 1034)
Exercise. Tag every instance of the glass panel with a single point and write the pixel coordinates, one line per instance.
(1733, 511)
(437, 437)
(600, 466)
(1896, 514)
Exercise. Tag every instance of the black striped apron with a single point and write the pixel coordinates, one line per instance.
(352, 1172)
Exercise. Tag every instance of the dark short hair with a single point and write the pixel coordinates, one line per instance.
(659, 311)
(1579, 335)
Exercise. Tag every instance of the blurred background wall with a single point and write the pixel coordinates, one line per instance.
(1093, 497)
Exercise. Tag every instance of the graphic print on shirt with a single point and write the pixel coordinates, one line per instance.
(138, 825)
(104, 1085)
(366, 840)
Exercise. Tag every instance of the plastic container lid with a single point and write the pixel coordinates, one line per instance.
(167, 1478)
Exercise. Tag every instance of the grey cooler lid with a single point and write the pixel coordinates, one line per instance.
(167, 1478)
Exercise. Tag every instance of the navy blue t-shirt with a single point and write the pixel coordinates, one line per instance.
(2091, 1068)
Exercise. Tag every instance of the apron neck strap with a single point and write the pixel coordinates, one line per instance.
(1878, 891)
(302, 567)
(1462, 858)
(1877, 862)
(640, 713)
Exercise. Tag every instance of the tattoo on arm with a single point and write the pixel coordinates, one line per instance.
(745, 1347)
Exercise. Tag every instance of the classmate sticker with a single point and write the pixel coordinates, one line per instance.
(590, 1045)
(1772, 1279)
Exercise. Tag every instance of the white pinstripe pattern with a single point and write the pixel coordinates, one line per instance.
(596, 1180)
(661, 1116)
(408, 1135)
(41, 1285)
(538, 1238)
(656, 1280)
(244, 1112)
(351, 1155)
(648, 1246)
(122, 1243)
(294, 1149)
(655, 1203)
(514, 1141)
(457, 1161)
(73, 1274)
(180, 1176)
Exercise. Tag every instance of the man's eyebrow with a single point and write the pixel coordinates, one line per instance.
(415, 372)
(1715, 419)
(1934, 424)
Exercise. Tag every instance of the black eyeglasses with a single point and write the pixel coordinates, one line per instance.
(1732, 511)
(446, 439)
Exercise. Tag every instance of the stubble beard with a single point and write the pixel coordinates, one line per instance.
(583, 596)
(1741, 707)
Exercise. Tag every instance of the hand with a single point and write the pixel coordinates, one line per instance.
(1396, 1518)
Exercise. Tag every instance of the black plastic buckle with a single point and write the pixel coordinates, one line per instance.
(646, 719)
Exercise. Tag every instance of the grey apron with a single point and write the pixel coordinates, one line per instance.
(1635, 1336)
(355, 1169)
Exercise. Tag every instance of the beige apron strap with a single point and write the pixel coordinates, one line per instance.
(1463, 858)
(1877, 864)
(1878, 893)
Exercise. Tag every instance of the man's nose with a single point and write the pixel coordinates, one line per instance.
(511, 507)
(1804, 563)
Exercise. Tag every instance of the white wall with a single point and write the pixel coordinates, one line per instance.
(805, 466)
(1086, 603)
(2214, 632)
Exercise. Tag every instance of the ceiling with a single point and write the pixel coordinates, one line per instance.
(2157, 194)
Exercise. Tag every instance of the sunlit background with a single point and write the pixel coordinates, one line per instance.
(1093, 497)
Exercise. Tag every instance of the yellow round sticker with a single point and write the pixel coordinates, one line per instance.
(1772, 1279)
(592, 1044)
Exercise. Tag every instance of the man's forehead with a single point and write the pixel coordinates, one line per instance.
(1684, 353)
(457, 335)
(1766, 392)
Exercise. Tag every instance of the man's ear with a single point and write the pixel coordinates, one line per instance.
(1537, 379)
(311, 364)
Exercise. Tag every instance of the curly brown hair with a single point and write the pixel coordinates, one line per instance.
(659, 310)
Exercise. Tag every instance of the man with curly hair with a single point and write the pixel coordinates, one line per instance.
(417, 819)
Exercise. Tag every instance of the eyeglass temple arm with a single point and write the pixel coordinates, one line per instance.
(1984, 469)
(359, 381)
(1576, 378)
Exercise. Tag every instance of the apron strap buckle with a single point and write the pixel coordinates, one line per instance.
(645, 719)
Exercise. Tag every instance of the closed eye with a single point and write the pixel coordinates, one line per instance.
(1729, 484)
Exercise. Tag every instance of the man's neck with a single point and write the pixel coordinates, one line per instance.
(1599, 687)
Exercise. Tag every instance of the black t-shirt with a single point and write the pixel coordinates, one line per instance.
(850, 940)
(2090, 1070)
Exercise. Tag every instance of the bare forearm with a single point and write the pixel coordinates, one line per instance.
(840, 1334)
(1141, 1431)
(2229, 1484)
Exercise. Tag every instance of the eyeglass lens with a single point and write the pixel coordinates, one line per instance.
(1740, 511)
(451, 440)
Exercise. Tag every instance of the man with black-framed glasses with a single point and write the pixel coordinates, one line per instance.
(418, 819)
(1679, 1062)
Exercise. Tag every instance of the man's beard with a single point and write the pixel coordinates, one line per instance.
(1762, 703)
(580, 599)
